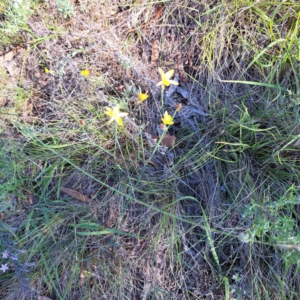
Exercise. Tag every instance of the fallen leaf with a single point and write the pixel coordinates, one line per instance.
(30, 198)
(75, 194)
(185, 93)
(10, 64)
(10, 54)
(155, 52)
(168, 140)
(12, 68)
(158, 12)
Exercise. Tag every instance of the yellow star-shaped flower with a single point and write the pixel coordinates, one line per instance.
(167, 119)
(142, 97)
(115, 114)
(47, 71)
(165, 78)
(85, 73)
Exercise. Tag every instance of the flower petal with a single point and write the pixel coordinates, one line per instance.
(166, 82)
(117, 109)
(115, 114)
(142, 97)
(4, 267)
(46, 70)
(109, 111)
(160, 83)
(167, 119)
(5, 254)
(119, 121)
(85, 72)
(110, 121)
(173, 82)
(169, 74)
(161, 72)
(122, 114)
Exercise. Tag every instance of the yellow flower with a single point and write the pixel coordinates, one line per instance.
(85, 72)
(115, 114)
(142, 97)
(48, 71)
(165, 78)
(167, 119)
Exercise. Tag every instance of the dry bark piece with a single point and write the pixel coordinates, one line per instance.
(155, 52)
(75, 194)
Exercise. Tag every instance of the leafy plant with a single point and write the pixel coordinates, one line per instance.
(16, 16)
(66, 8)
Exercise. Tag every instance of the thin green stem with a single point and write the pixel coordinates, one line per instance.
(116, 139)
(162, 99)
(161, 138)
(157, 144)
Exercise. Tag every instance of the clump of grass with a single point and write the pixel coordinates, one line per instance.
(15, 15)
